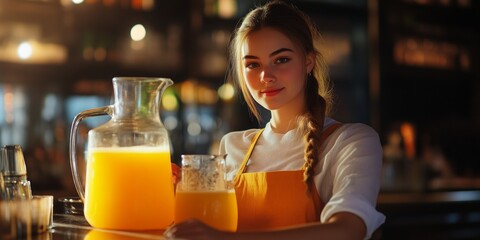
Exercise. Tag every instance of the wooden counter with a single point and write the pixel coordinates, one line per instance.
(410, 215)
(73, 227)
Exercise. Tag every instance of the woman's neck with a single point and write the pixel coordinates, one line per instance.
(283, 121)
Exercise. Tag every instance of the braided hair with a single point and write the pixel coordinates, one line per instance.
(311, 124)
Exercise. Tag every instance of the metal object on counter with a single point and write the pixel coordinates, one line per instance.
(72, 205)
(3, 196)
(14, 171)
(21, 214)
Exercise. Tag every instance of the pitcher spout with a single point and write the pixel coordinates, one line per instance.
(138, 96)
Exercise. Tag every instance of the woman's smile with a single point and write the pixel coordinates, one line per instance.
(270, 92)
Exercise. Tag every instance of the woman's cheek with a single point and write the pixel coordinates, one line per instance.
(251, 79)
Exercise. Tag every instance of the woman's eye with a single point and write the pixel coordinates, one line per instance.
(251, 65)
(282, 60)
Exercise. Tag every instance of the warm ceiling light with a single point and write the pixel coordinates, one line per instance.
(226, 91)
(138, 32)
(24, 50)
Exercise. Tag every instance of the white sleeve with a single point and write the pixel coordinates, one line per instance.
(353, 164)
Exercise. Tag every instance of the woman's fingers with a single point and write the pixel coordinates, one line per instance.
(192, 229)
(176, 173)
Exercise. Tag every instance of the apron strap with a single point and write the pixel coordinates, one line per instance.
(328, 131)
(243, 167)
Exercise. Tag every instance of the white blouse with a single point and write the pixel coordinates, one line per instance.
(347, 177)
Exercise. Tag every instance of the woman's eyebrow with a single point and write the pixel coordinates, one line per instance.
(280, 51)
(249, 57)
(271, 54)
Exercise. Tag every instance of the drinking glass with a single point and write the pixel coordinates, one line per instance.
(204, 193)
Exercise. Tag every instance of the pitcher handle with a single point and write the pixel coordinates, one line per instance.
(106, 110)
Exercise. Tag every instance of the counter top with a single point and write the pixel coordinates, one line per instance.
(75, 227)
(401, 210)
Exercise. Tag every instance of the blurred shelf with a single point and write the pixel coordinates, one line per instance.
(402, 198)
(430, 215)
(83, 29)
(428, 50)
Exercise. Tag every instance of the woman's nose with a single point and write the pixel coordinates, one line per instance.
(267, 76)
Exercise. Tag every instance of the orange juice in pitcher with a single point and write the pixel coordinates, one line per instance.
(128, 184)
(139, 199)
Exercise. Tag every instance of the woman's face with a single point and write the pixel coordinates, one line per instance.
(275, 69)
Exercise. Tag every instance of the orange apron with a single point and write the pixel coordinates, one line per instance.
(268, 200)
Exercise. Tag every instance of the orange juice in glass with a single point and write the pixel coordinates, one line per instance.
(203, 193)
(129, 188)
(215, 208)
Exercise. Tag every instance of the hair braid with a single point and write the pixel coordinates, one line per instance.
(312, 126)
(311, 149)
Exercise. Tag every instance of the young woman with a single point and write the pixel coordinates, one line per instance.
(305, 175)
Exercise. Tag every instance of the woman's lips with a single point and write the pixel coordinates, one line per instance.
(271, 92)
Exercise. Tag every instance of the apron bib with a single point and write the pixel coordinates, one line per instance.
(269, 200)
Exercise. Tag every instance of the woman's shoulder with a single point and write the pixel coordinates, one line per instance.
(350, 128)
(356, 133)
(240, 136)
(359, 128)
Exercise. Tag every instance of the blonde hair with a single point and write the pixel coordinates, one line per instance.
(298, 27)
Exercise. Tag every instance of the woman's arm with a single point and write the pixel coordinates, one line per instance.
(353, 167)
(341, 225)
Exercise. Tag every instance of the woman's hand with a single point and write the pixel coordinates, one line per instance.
(194, 230)
(176, 174)
(342, 225)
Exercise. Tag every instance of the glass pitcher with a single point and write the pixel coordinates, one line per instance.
(204, 193)
(128, 184)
